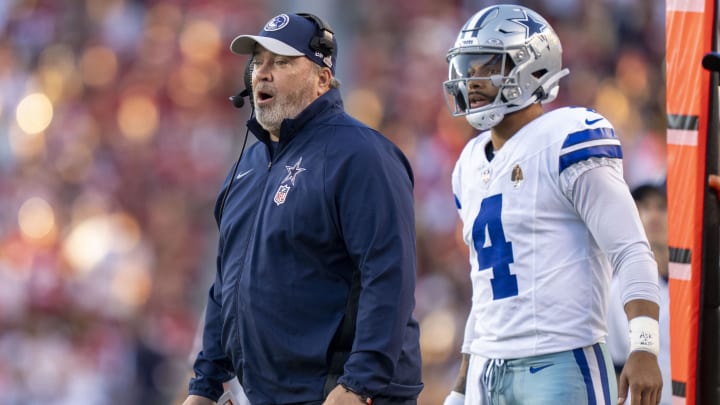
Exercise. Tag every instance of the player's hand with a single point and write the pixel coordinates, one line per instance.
(641, 378)
(341, 396)
(198, 400)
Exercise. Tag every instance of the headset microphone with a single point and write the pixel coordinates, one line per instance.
(238, 99)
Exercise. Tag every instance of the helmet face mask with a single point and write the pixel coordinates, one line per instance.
(469, 72)
(514, 49)
(476, 65)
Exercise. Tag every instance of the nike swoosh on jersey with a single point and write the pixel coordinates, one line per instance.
(243, 174)
(590, 122)
(534, 370)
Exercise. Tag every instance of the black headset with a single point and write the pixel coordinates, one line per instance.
(322, 42)
(237, 100)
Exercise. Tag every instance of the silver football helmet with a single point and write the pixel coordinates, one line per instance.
(513, 48)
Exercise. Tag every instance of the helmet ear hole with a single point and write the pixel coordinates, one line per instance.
(551, 95)
(539, 73)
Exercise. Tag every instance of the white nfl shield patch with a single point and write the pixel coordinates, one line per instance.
(281, 194)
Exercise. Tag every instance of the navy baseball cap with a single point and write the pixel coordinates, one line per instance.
(287, 35)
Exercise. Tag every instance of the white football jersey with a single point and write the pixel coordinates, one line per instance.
(539, 278)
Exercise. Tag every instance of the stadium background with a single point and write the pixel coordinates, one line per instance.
(116, 132)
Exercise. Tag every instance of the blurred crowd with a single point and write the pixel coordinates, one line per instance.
(116, 133)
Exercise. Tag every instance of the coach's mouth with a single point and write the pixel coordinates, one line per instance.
(263, 97)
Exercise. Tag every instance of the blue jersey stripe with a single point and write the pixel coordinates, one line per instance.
(603, 372)
(609, 151)
(585, 370)
(589, 134)
(457, 202)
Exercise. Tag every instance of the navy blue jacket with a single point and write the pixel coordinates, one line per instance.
(335, 197)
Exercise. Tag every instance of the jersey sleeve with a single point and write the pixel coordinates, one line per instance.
(456, 189)
(591, 177)
(585, 149)
(602, 199)
(457, 173)
(469, 333)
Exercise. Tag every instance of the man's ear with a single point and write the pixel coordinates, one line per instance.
(324, 79)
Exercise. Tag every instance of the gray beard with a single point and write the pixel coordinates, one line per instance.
(272, 116)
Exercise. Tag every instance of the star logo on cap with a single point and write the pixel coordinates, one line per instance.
(531, 25)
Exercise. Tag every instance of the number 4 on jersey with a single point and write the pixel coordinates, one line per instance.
(498, 255)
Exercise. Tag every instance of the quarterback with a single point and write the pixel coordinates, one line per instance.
(548, 218)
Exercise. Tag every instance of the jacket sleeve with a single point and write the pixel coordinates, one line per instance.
(212, 367)
(373, 190)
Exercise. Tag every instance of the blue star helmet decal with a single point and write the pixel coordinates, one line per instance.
(532, 26)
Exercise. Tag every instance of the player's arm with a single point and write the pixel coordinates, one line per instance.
(603, 200)
(461, 380)
(457, 395)
(643, 318)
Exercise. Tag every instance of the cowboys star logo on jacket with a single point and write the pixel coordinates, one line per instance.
(284, 189)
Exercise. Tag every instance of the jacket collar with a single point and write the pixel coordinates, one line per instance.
(314, 112)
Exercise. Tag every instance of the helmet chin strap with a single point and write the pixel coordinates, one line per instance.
(487, 119)
(553, 80)
(484, 120)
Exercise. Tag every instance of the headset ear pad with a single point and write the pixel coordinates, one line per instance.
(323, 44)
(247, 80)
(323, 41)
